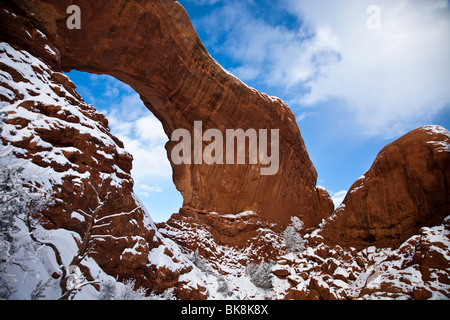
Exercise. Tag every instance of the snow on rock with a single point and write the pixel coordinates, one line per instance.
(418, 269)
(440, 146)
(435, 129)
(322, 271)
(221, 260)
(242, 215)
(63, 148)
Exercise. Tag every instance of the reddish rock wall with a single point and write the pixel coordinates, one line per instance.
(153, 47)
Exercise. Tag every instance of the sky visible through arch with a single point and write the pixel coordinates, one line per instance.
(353, 86)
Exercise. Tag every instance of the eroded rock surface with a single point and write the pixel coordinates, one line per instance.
(153, 47)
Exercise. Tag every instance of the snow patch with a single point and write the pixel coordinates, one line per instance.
(242, 215)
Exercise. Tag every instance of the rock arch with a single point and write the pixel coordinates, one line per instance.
(153, 47)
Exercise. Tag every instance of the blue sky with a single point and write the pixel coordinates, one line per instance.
(353, 89)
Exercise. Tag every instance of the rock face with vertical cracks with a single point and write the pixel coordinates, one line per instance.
(406, 188)
(152, 46)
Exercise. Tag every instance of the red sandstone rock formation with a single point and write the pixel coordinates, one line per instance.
(207, 233)
(65, 146)
(153, 47)
(406, 188)
(418, 269)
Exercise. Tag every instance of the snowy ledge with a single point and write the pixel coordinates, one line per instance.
(233, 217)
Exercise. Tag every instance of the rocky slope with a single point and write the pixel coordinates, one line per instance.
(418, 269)
(71, 226)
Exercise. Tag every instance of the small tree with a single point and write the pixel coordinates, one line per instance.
(75, 279)
(261, 274)
(223, 287)
(199, 262)
(292, 238)
(20, 201)
(107, 290)
(111, 290)
(38, 292)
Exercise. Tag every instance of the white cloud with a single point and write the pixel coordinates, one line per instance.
(391, 77)
(151, 188)
(111, 92)
(146, 191)
(338, 197)
(148, 161)
(142, 134)
(388, 79)
(245, 73)
(302, 116)
(274, 54)
(150, 130)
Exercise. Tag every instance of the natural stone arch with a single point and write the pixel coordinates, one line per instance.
(153, 47)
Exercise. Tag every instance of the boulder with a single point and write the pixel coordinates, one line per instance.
(281, 271)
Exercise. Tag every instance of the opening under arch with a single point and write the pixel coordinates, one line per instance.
(143, 136)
